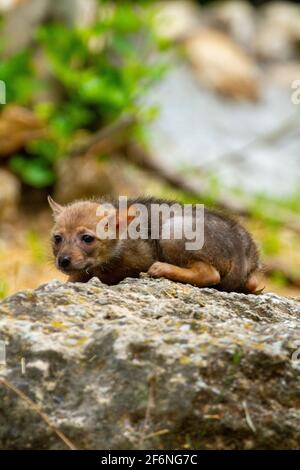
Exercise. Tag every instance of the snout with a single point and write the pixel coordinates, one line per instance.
(64, 262)
(69, 263)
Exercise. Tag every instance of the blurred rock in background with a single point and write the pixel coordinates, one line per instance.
(278, 31)
(10, 192)
(176, 20)
(87, 177)
(235, 18)
(221, 65)
(250, 53)
(23, 16)
(18, 126)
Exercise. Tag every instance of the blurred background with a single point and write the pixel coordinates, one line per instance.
(181, 99)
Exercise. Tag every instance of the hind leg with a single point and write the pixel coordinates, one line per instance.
(197, 273)
(251, 283)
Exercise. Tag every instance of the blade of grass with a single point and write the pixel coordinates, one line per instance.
(36, 408)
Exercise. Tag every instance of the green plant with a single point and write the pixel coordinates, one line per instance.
(100, 72)
(3, 289)
(237, 356)
(35, 246)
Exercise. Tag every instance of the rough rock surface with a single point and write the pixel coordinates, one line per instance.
(150, 364)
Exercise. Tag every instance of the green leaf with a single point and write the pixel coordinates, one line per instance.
(32, 171)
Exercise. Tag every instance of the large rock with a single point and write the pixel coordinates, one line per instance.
(150, 364)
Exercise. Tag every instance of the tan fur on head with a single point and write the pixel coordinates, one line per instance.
(76, 246)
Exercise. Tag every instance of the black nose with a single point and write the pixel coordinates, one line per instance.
(64, 261)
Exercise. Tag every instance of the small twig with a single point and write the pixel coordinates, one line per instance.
(141, 157)
(248, 417)
(36, 408)
(150, 405)
(162, 432)
(116, 136)
(107, 138)
(23, 365)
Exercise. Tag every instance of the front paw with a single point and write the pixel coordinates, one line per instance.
(77, 278)
(157, 269)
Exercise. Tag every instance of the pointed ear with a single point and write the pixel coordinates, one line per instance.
(56, 208)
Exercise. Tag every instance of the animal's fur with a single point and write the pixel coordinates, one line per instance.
(228, 260)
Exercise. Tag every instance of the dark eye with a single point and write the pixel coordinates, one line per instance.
(87, 238)
(57, 239)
